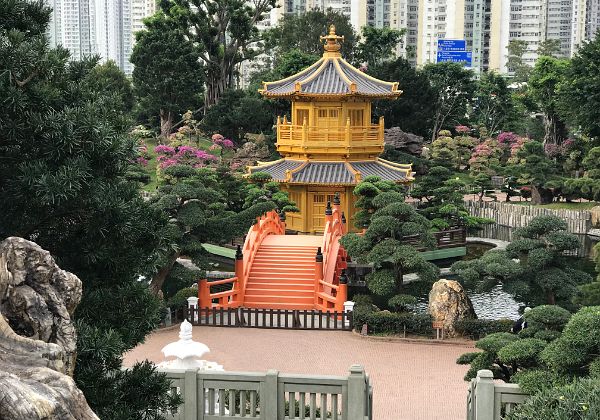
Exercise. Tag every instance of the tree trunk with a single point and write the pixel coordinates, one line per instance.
(550, 298)
(399, 277)
(162, 273)
(166, 123)
(554, 130)
(216, 84)
(540, 195)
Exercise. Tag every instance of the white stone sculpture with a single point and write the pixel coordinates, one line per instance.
(187, 352)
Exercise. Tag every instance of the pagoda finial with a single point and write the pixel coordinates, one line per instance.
(332, 41)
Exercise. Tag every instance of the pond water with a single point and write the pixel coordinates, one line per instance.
(492, 304)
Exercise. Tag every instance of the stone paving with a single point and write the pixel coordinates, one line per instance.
(411, 381)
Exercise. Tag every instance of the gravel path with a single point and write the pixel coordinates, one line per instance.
(411, 381)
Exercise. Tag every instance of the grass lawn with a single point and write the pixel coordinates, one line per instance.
(561, 205)
(151, 167)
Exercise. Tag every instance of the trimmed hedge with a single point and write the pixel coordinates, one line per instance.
(384, 322)
(478, 328)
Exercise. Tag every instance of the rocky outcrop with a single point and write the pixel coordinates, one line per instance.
(250, 153)
(448, 303)
(403, 142)
(37, 336)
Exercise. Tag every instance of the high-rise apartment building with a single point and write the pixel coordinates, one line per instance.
(103, 27)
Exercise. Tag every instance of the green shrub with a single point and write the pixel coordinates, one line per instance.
(524, 352)
(467, 358)
(180, 298)
(579, 400)
(384, 322)
(552, 317)
(492, 343)
(532, 381)
(478, 328)
(402, 303)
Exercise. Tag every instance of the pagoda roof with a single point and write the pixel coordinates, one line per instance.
(331, 76)
(333, 173)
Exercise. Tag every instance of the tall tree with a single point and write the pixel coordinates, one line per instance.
(64, 154)
(225, 33)
(453, 86)
(302, 31)
(377, 45)
(543, 86)
(578, 93)
(514, 60)
(238, 113)
(413, 111)
(493, 105)
(109, 78)
(549, 48)
(168, 77)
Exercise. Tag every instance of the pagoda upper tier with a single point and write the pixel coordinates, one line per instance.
(331, 109)
(331, 76)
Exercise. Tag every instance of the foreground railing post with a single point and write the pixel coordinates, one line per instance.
(318, 274)
(204, 300)
(328, 213)
(358, 394)
(190, 394)
(484, 395)
(271, 395)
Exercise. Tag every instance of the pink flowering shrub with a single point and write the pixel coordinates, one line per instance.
(507, 137)
(182, 155)
(557, 151)
(462, 129)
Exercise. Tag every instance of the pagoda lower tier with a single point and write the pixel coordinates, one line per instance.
(311, 184)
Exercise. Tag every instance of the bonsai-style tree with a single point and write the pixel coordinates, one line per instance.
(198, 212)
(366, 191)
(442, 200)
(542, 275)
(263, 189)
(391, 243)
(508, 355)
(535, 169)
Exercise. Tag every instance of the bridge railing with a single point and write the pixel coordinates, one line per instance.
(268, 224)
(487, 400)
(330, 293)
(271, 395)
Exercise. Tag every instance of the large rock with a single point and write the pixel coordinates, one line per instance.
(448, 302)
(250, 153)
(403, 142)
(37, 336)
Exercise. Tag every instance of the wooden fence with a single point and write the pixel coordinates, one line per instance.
(487, 400)
(267, 318)
(271, 395)
(516, 216)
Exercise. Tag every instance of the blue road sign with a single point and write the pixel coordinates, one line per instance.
(452, 45)
(455, 57)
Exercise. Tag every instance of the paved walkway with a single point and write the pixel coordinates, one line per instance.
(410, 381)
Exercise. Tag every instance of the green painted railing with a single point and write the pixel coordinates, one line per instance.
(488, 400)
(271, 395)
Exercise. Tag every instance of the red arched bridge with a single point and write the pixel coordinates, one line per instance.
(278, 271)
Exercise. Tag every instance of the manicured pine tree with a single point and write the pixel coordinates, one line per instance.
(64, 155)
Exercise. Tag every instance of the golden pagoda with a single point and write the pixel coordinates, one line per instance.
(330, 144)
